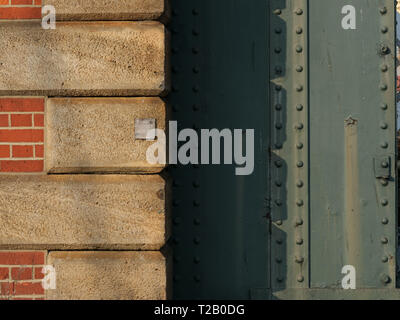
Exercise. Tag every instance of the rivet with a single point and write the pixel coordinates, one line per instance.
(278, 87)
(385, 164)
(279, 241)
(385, 279)
(278, 145)
(196, 88)
(196, 70)
(278, 30)
(299, 107)
(299, 30)
(278, 163)
(196, 260)
(299, 126)
(299, 49)
(300, 279)
(385, 259)
(278, 184)
(384, 202)
(278, 107)
(196, 221)
(279, 126)
(299, 12)
(299, 184)
(299, 241)
(384, 106)
(197, 278)
(279, 222)
(299, 260)
(384, 240)
(277, 12)
(299, 68)
(196, 203)
(300, 203)
(299, 88)
(279, 279)
(384, 125)
(384, 68)
(278, 260)
(300, 164)
(278, 203)
(384, 29)
(278, 70)
(195, 32)
(196, 184)
(299, 222)
(278, 50)
(385, 221)
(384, 182)
(196, 107)
(384, 145)
(195, 12)
(385, 50)
(383, 87)
(299, 146)
(196, 240)
(383, 10)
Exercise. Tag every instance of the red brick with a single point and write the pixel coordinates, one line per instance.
(4, 151)
(38, 2)
(38, 273)
(12, 13)
(21, 273)
(22, 288)
(21, 135)
(4, 273)
(3, 120)
(21, 257)
(21, 120)
(39, 120)
(22, 151)
(39, 151)
(21, 166)
(7, 288)
(3, 2)
(21, 104)
(21, 2)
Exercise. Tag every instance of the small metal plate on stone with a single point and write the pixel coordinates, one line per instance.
(142, 127)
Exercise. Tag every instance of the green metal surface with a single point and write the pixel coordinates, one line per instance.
(352, 134)
(220, 80)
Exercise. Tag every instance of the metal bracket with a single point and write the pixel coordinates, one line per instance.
(382, 167)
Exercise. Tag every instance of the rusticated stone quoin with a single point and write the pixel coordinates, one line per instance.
(108, 276)
(98, 134)
(108, 10)
(83, 59)
(82, 212)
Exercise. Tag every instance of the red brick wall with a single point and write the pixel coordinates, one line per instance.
(20, 9)
(20, 275)
(21, 134)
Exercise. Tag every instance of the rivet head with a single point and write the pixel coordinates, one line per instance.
(299, 69)
(279, 279)
(279, 241)
(299, 241)
(384, 202)
(278, 203)
(384, 106)
(384, 240)
(384, 145)
(299, 146)
(385, 50)
(299, 11)
(299, 222)
(299, 107)
(299, 88)
(384, 182)
(385, 221)
(299, 126)
(197, 278)
(383, 87)
(384, 29)
(279, 126)
(278, 145)
(385, 259)
(300, 184)
(299, 260)
(278, 107)
(299, 30)
(196, 240)
(196, 259)
(278, 184)
(299, 48)
(385, 164)
(277, 12)
(384, 125)
(278, 260)
(278, 87)
(300, 164)
(196, 70)
(385, 279)
(196, 203)
(196, 221)
(278, 50)
(278, 70)
(300, 203)
(383, 10)
(384, 68)
(300, 279)
(278, 163)
(279, 222)
(278, 30)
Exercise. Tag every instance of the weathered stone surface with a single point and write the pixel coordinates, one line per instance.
(83, 58)
(108, 276)
(82, 212)
(98, 134)
(107, 10)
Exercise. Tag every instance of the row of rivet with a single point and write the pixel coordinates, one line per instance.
(385, 50)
